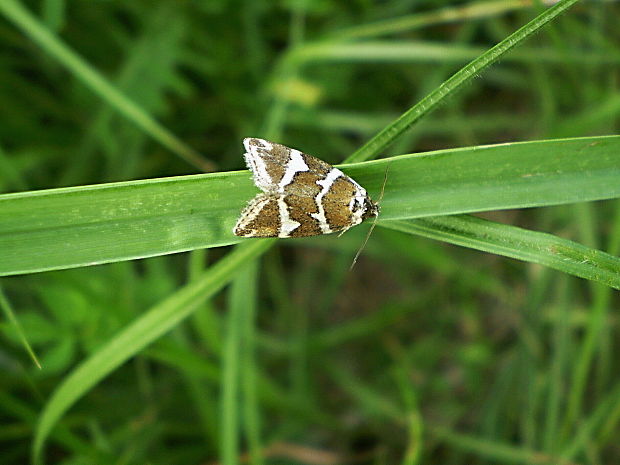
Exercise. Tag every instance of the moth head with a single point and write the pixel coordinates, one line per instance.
(370, 208)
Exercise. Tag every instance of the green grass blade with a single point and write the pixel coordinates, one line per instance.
(249, 368)
(535, 247)
(153, 324)
(34, 29)
(555, 382)
(413, 454)
(391, 132)
(54, 14)
(239, 378)
(607, 408)
(601, 308)
(9, 175)
(104, 223)
(9, 314)
(432, 52)
(231, 362)
(494, 450)
(451, 14)
(69, 227)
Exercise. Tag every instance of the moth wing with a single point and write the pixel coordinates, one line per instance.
(302, 214)
(305, 215)
(275, 166)
(261, 218)
(304, 196)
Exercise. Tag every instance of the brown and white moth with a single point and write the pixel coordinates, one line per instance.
(302, 195)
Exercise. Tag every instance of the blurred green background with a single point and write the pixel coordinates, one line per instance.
(425, 353)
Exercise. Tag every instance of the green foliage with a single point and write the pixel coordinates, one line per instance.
(424, 353)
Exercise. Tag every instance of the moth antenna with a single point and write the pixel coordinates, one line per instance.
(374, 223)
(359, 251)
(387, 168)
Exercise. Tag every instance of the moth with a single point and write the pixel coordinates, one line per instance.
(302, 195)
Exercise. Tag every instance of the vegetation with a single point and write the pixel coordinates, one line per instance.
(137, 329)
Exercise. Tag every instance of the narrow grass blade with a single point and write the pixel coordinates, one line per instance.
(34, 29)
(492, 449)
(9, 314)
(391, 132)
(231, 361)
(607, 408)
(249, 368)
(452, 14)
(9, 175)
(584, 358)
(153, 324)
(436, 52)
(239, 381)
(535, 247)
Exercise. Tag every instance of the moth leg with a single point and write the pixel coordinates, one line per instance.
(344, 230)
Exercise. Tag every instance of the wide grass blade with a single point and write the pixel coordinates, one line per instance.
(80, 226)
